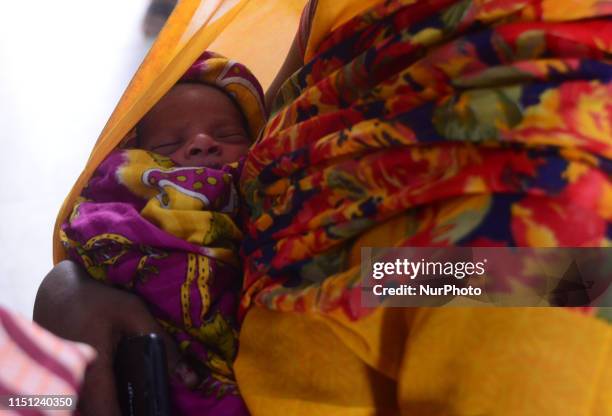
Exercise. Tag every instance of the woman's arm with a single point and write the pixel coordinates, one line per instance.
(72, 305)
(292, 63)
(295, 56)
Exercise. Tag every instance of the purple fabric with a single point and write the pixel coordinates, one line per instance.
(118, 233)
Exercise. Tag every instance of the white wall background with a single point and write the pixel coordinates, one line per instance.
(63, 67)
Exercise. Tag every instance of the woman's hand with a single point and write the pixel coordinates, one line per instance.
(72, 305)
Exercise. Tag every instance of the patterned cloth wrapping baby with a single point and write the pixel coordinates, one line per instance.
(170, 235)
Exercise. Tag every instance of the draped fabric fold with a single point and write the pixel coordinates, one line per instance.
(428, 123)
(483, 123)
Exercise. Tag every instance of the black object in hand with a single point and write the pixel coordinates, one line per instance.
(142, 376)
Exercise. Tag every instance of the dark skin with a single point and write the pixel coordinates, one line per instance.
(195, 125)
(72, 305)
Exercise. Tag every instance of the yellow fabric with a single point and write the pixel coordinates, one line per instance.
(194, 26)
(445, 362)
(433, 362)
(260, 36)
(331, 14)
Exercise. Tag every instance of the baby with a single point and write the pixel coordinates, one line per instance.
(195, 125)
(160, 217)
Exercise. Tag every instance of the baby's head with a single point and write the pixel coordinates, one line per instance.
(210, 118)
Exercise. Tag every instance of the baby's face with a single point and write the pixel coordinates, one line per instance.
(195, 125)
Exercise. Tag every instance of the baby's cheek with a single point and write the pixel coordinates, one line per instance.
(234, 153)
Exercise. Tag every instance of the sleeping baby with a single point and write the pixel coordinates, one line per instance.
(160, 217)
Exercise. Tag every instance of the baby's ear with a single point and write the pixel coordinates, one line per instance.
(130, 140)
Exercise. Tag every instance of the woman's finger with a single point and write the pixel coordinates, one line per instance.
(142, 322)
(98, 395)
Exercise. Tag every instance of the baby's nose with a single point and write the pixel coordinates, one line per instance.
(202, 145)
(199, 150)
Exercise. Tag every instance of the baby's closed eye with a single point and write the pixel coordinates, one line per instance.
(231, 135)
(165, 146)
